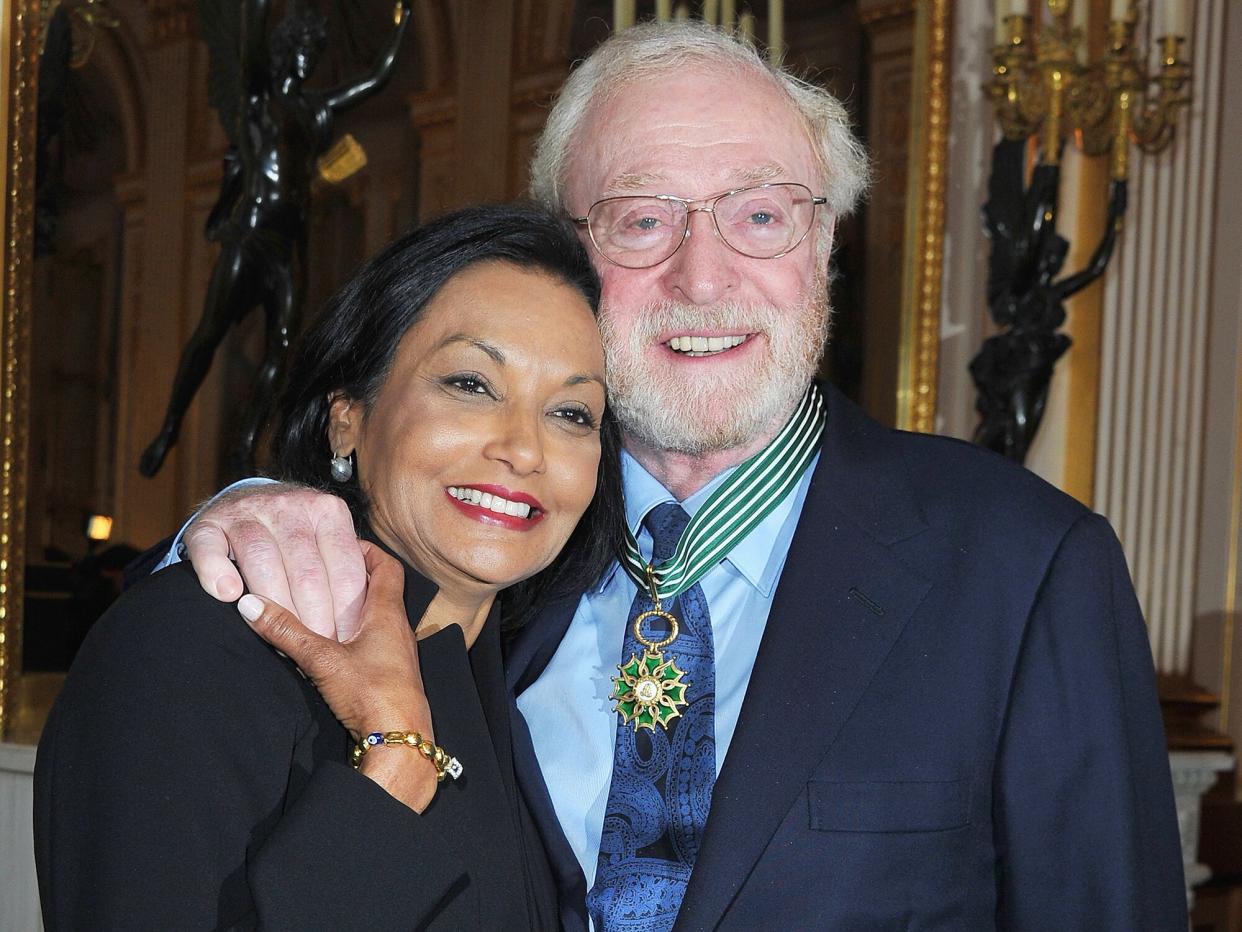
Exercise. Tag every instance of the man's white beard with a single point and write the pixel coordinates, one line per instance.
(716, 410)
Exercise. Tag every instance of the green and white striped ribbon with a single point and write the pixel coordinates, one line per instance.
(735, 509)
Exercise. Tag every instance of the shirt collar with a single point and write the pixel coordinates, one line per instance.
(753, 557)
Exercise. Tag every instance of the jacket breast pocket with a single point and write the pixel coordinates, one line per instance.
(899, 806)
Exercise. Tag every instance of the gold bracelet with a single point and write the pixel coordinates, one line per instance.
(446, 765)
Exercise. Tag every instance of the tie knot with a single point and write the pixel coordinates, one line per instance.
(665, 522)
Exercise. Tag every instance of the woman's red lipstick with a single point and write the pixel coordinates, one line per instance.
(499, 519)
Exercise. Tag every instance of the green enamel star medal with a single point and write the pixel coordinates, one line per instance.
(649, 690)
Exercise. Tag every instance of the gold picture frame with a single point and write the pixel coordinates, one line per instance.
(25, 698)
(918, 366)
(21, 710)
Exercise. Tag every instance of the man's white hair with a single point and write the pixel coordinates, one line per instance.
(655, 49)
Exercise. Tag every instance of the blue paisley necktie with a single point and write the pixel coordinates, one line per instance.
(661, 782)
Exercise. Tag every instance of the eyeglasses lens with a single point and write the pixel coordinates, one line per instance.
(762, 222)
(637, 232)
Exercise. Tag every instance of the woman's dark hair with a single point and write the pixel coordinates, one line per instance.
(350, 347)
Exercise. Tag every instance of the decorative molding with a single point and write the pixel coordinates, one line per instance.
(1082, 218)
(19, 37)
(1235, 558)
(1194, 773)
(924, 246)
(890, 77)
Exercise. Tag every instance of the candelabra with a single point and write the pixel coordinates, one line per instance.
(1042, 87)
(723, 13)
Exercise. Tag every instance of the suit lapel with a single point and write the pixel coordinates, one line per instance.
(528, 651)
(841, 604)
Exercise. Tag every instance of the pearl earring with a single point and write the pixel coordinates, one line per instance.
(342, 467)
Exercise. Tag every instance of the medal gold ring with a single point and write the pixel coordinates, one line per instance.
(650, 690)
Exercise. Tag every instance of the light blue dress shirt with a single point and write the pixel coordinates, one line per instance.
(567, 709)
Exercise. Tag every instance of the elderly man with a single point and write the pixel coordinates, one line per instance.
(921, 692)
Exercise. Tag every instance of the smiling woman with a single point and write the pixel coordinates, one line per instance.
(497, 390)
(462, 372)
(445, 340)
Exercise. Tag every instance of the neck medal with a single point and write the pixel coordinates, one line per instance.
(649, 690)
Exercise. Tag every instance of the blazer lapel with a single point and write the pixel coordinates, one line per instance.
(486, 663)
(841, 604)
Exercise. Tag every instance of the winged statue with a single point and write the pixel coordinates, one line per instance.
(1013, 370)
(278, 128)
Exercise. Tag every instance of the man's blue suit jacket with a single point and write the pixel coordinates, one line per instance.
(952, 721)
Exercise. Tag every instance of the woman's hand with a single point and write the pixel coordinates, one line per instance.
(371, 682)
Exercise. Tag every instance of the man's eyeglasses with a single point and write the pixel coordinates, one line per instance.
(765, 221)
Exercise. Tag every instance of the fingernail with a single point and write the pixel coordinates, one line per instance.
(228, 588)
(250, 606)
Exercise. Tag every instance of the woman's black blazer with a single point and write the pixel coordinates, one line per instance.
(190, 778)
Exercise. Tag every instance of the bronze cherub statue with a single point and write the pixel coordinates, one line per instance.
(277, 129)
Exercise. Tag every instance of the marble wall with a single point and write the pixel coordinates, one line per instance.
(19, 892)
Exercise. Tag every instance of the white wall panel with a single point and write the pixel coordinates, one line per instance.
(19, 891)
(1153, 372)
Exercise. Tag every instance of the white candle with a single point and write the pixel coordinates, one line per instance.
(664, 10)
(620, 14)
(709, 11)
(776, 31)
(1002, 31)
(1078, 20)
(727, 15)
(746, 26)
(682, 13)
(1121, 10)
(1174, 18)
(1078, 15)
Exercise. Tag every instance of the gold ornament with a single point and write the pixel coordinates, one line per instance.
(650, 690)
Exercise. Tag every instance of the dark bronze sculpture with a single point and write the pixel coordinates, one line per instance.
(277, 128)
(1014, 368)
(54, 88)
